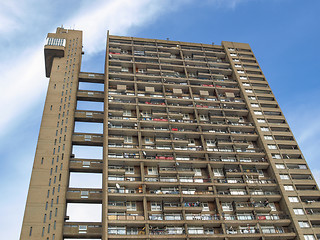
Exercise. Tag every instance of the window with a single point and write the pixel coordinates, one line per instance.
(293, 199)
(174, 230)
(152, 170)
(205, 207)
(254, 105)
(127, 139)
(227, 206)
(131, 206)
(298, 211)
(264, 129)
(127, 113)
(288, 188)
(156, 206)
(117, 230)
(218, 172)
(204, 117)
(303, 224)
(271, 146)
(211, 142)
(146, 113)
(238, 192)
(273, 207)
(302, 166)
(276, 156)
(261, 120)
(172, 217)
(309, 237)
(284, 176)
(148, 140)
(186, 116)
(268, 137)
(197, 172)
(244, 216)
(129, 170)
(268, 229)
(280, 166)
(195, 230)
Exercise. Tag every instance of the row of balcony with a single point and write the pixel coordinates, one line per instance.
(168, 66)
(95, 195)
(177, 217)
(90, 230)
(95, 165)
(147, 79)
(185, 179)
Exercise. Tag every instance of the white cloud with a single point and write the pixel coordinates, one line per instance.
(22, 82)
(117, 16)
(9, 16)
(22, 77)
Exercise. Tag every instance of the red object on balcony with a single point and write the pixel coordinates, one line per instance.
(174, 129)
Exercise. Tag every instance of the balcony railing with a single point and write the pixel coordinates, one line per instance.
(248, 230)
(167, 231)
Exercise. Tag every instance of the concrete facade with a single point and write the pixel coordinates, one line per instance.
(195, 146)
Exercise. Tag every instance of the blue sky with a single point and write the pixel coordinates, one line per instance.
(284, 35)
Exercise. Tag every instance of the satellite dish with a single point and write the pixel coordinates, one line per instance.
(117, 186)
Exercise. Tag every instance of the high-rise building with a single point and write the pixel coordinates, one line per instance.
(194, 146)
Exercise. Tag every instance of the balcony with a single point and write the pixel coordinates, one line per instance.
(89, 116)
(95, 96)
(54, 48)
(91, 77)
(252, 206)
(127, 217)
(242, 230)
(121, 190)
(120, 232)
(123, 178)
(167, 231)
(271, 233)
(87, 139)
(194, 207)
(82, 230)
(84, 195)
(85, 165)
